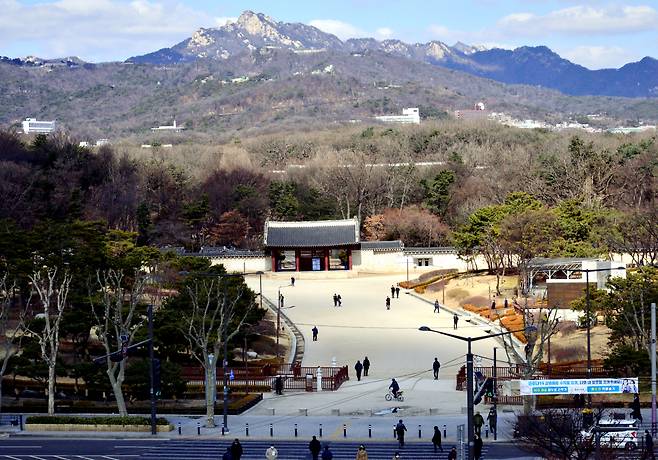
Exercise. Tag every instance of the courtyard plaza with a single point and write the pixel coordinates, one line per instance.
(390, 338)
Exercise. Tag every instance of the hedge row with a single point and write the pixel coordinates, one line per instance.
(71, 420)
(427, 278)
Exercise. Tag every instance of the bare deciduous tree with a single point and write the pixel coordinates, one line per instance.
(52, 289)
(215, 317)
(118, 316)
(12, 322)
(556, 433)
(539, 326)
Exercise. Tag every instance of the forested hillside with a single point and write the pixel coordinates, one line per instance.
(426, 185)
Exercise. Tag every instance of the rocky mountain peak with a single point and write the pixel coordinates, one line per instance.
(202, 37)
(265, 28)
(438, 50)
(255, 23)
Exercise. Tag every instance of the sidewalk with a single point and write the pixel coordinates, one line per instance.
(378, 428)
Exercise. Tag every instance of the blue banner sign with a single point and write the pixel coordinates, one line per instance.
(578, 386)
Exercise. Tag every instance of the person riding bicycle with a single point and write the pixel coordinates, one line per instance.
(394, 387)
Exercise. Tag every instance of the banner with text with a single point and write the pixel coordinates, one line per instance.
(578, 386)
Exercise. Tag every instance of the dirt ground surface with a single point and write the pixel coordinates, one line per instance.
(479, 290)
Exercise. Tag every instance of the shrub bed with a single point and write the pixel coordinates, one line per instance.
(71, 420)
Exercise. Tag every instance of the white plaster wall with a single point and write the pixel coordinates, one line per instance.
(243, 264)
(396, 262)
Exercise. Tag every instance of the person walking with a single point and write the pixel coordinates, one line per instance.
(636, 408)
(388, 303)
(477, 447)
(236, 450)
(361, 453)
(392, 291)
(327, 454)
(315, 333)
(278, 385)
(436, 439)
(492, 418)
(437, 306)
(335, 300)
(436, 365)
(493, 304)
(455, 320)
(292, 281)
(340, 300)
(397, 292)
(314, 447)
(478, 421)
(394, 387)
(506, 304)
(399, 430)
(453, 454)
(271, 453)
(648, 446)
(281, 299)
(358, 367)
(366, 366)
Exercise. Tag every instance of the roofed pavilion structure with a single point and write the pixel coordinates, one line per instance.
(312, 246)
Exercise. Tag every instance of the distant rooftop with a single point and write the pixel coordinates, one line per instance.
(312, 234)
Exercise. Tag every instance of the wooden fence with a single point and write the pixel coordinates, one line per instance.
(294, 376)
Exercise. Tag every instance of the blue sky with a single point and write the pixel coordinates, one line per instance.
(594, 33)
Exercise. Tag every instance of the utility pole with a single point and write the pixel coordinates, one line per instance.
(653, 369)
(225, 363)
(495, 393)
(470, 432)
(152, 371)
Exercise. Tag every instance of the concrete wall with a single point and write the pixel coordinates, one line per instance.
(560, 292)
(243, 264)
(396, 262)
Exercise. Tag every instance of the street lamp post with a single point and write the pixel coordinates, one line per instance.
(224, 335)
(152, 371)
(495, 393)
(469, 376)
(589, 321)
(278, 319)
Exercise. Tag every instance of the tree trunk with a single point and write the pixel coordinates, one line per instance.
(210, 395)
(51, 389)
(117, 384)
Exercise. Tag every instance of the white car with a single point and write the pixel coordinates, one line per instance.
(615, 434)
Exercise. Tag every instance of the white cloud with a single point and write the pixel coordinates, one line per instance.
(598, 57)
(582, 20)
(340, 29)
(441, 32)
(96, 29)
(224, 20)
(384, 33)
(345, 30)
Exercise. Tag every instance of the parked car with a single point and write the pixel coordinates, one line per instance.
(615, 434)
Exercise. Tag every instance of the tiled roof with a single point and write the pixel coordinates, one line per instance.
(312, 234)
(213, 251)
(382, 245)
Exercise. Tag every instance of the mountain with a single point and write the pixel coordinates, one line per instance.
(542, 67)
(257, 74)
(33, 61)
(250, 32)
(537, 66)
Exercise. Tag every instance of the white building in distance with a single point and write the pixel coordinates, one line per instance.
(34, 126)
(175, 128)
(410, 115)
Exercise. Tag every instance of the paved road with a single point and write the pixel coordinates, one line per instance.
(108, 449)
(390, 339)
(80, 449)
